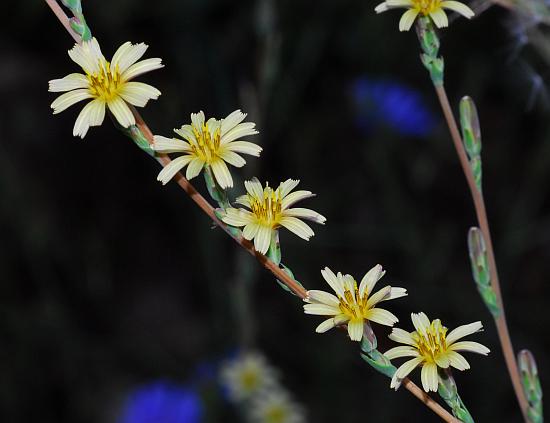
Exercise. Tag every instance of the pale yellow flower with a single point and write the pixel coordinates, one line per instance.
(212, 143)
(353, 305)
(275, 406)
(247, 376)
(432, 8)
(269, 210)
(108, 84)
(431, 347)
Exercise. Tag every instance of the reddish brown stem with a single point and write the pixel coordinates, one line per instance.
(479, 204)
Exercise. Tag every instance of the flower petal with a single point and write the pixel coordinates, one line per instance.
(244, 147)
(262, 239)
(232, 120)
(470, 346)
(64, 101)
(401, 351)
(458, 7)
(402, 336)
(254, 188)
(194, 168)
(121, 112)
(403, 371)
(421, 322)
(170, 145)
(355, 330)
(333, 281)
(381, 316)
(407, 19)
(142, 67)
(297, 227)
(429, 378)
(88, 56)
(462, 331)
(232, 158)
(440, 18)
(457, 360)
(222, 174)
(170, 170)
(72, 81)
(238, 217)
(378, 296)
(287, 186)
(321, 310)
(294, 197)
(250, 230)
(91, 115)
(322, 297)
(306, 214)
(126, 55)
(239, 131)
(138, 93)
(369, 280)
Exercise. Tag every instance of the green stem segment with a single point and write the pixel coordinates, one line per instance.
(78, 22)
(448, 391)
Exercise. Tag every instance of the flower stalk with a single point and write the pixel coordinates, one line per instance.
(430, 47)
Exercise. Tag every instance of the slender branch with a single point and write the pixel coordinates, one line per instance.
(479, 204)
(56, 8)
(247, 245)
(428, 401)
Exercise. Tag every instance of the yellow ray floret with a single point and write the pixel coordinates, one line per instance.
(431, 347)
(213, 143)
(270, 209)
(107, 84)
(435, 9)
(354, 305)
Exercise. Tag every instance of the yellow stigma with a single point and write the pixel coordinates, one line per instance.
(433, 342)
(250, 379)
(276, 415)
(267, 209)
(104, 84)
(352, 305)
(426, 6)
(208, 144)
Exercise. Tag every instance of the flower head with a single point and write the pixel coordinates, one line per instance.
(353, 305)
(162, 402)
(212, 143)
(432, 8)
(247, 376)
(275, 407)
(270, 209)
(431, 347)
(106, 83)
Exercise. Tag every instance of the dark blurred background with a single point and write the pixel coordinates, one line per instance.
(110, 281)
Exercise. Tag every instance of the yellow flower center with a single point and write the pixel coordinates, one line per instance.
(426, 6)
(276, 414)
(208, 143)
(433, 342)
(104, 84)
(268, 210)
(352, 305)
(250, 379)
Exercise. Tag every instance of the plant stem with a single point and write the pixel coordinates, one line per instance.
(428, 401)
(207, 208)
(479, 204)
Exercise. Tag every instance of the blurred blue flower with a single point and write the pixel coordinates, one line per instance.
(162, 402)
(391, 104)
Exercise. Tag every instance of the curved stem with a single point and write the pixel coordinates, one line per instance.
(479, 204)
(207, 208)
